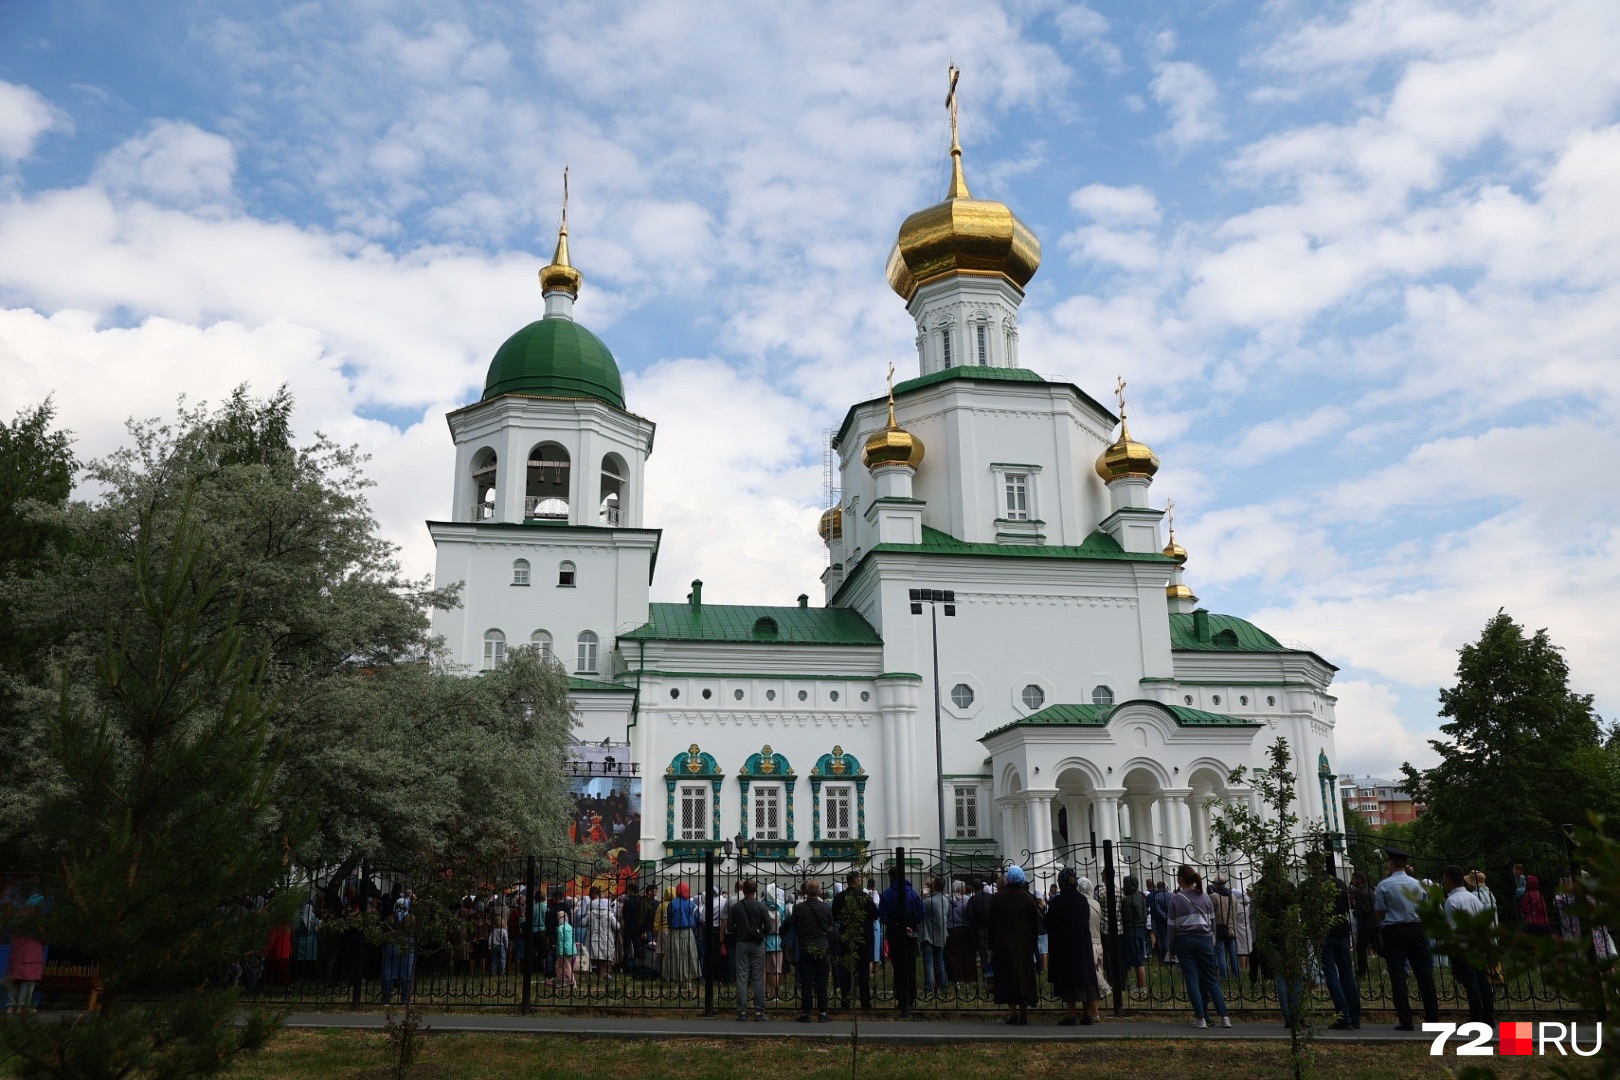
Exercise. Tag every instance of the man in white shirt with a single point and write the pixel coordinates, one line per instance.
(1476, 985)
(1396, 899)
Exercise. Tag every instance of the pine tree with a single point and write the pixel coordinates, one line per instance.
(159, 828)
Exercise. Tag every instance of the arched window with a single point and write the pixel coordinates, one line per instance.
(614, 480)
(945, 346)
(494, 649)
(545, 492)
(1102, 695)
(765, 629)
(520, 572)
(541, 640)
(483, 482)
(565, 574)
(587, 651)
(981, 343)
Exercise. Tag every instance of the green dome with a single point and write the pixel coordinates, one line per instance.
(555, 358)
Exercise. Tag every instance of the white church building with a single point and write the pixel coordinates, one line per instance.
(994, 526)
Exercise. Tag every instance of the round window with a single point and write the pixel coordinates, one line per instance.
(832, 695)
(1034, 697)
(674, 693)
(866, 695)
(1216, 699)
(1244, 700)
(1102, 695)
(707, 694)
(770, 695)
(1271, 701)
(738, 694)
(962, 695)
(804, 695)
(1186, 699)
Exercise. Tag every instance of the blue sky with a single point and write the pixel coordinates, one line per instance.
(1358, 261)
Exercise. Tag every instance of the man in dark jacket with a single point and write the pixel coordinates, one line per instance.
(812, 924)
(900, 910)
(1337, 970)
(854, 914)
(1158, 901)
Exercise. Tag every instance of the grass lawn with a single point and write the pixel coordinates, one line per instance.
(349, 1055)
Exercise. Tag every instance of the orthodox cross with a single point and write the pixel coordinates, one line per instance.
(1170, 515)
(950, 103)
(891, 393)
(565, 198)
(1119, 392)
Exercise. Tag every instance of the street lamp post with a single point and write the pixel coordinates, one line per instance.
(935, 599)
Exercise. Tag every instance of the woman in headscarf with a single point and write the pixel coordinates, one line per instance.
(1071, 966)
(1533, 908)
(1015, 924)
(680, 957)
(1090, 894)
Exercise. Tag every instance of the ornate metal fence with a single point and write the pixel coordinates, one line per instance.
(456, 959)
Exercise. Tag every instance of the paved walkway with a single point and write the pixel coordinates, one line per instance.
(876, 1030)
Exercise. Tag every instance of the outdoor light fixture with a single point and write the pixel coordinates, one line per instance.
(935, 599)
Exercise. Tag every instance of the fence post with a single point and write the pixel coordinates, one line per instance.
(357, 965)
(709, 943)
(528, 932)
(1112, 952)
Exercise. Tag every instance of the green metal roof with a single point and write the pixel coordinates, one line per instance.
(1098, 545)
(969, 373)
(555, 357)
(1200, 631)
(580, 683)
(745, 624)
(1100, 715)
(972, 373)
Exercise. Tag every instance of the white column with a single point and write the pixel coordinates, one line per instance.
(1040, 820)
(1178, 816)
(1108, 815)
(889, 772)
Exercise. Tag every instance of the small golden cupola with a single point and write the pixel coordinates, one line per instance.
(893, 445)
(961, 235)
(831, 526)
(559, 275)
(1125, 456)
(1179, 594)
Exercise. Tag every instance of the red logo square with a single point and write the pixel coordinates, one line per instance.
(1514, 1038)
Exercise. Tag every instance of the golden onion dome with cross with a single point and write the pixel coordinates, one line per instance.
(961, 235)
(831, 527)
(892, 445)
(1125, 456)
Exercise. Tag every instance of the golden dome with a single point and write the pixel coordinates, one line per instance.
(1125, 456)
(832, 525)
(962, 235)
(1179, 591)
(894, 445)
(560, 273)
(1175, 551)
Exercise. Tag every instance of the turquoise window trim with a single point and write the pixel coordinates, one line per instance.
(838, 767)
(692, 764)
(774, 768)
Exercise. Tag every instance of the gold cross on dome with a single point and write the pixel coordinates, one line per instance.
(1119, 392)
(891, 394)
(955, 73)
(1170, 515)
(565, 198)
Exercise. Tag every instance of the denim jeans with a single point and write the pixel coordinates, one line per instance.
(1290, 998)
(1226, 957)
(1196, 952)
(1340, 975)
(933, 967)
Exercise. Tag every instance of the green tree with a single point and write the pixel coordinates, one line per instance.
(159, 822)
(388, 753)
(1522, 750)
(1293, 901)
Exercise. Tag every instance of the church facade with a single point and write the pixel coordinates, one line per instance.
(1003, 657)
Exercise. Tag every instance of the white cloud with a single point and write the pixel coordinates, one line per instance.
(1371, 737)
(1134, 205)
(24, 117)
(174, 163)
(1190, 96)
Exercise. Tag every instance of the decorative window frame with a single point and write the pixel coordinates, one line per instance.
(838, 767)
(691, 764)
(980, 786)
(767, 766)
